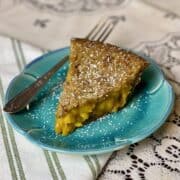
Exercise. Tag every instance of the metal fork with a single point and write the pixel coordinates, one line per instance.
(100, 33)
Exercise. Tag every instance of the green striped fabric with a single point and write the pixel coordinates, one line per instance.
(24, 160)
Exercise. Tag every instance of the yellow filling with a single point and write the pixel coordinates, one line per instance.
(78, 116)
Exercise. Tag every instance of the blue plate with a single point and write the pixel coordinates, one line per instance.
(145, 112)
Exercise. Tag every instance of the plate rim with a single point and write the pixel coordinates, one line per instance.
(89, 151)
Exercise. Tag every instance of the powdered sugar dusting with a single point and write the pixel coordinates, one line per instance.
(95, 70)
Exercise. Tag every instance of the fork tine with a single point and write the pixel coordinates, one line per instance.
(97, 28)
(104, 36)
(108, 29)
(103, 28)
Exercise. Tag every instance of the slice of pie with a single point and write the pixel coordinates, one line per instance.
(99, 81)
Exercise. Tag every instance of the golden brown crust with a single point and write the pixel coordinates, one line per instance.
(95, 70)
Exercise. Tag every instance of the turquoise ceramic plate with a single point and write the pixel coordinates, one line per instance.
(145, 112)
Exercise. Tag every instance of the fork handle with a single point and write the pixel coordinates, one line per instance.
(21, 100)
